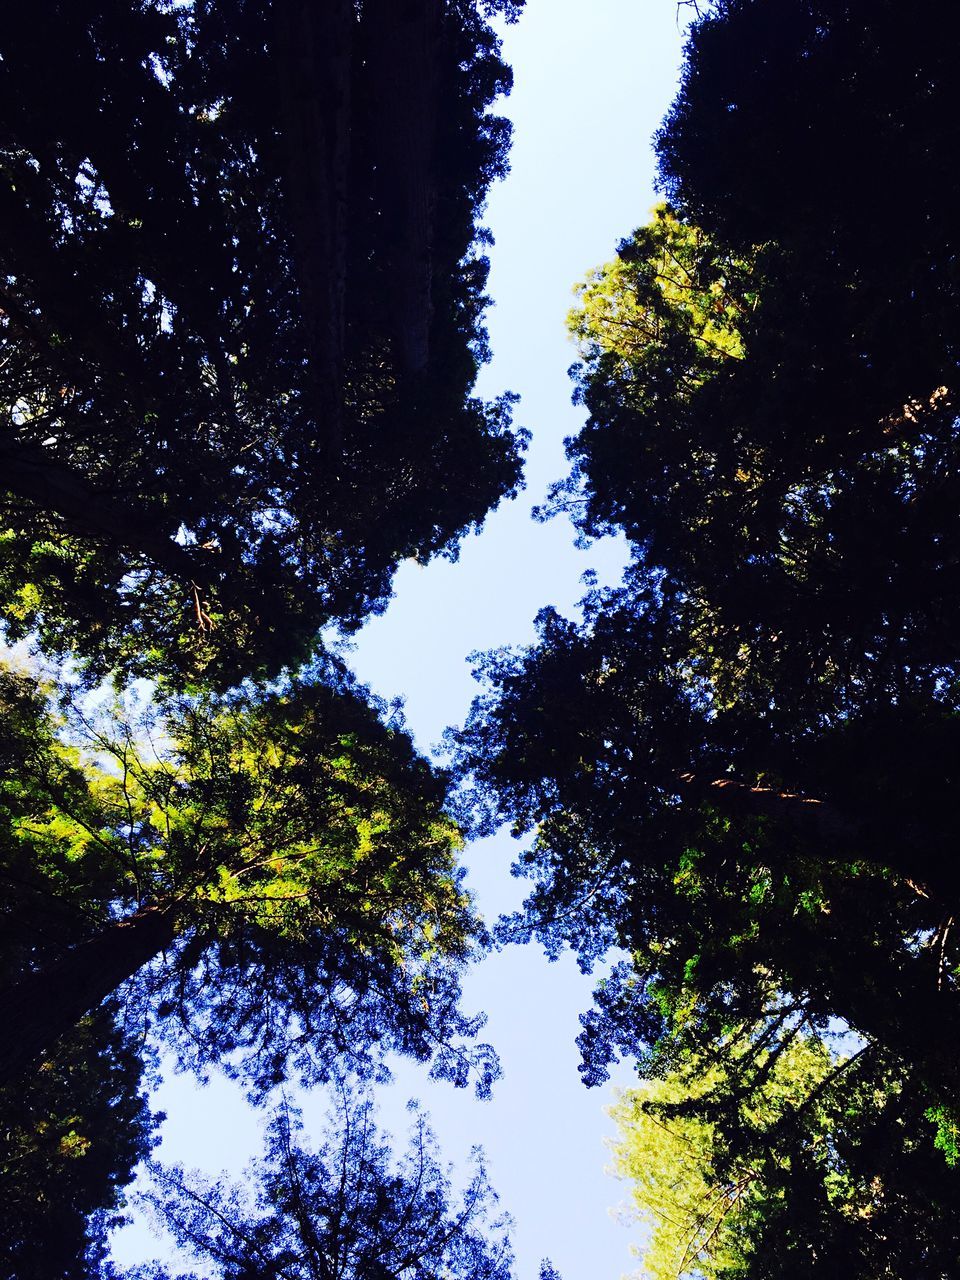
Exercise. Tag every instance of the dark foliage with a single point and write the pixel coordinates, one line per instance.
(221, 225)
(342, 1211)
(242, 284)
(71, 1133)
(741, 766)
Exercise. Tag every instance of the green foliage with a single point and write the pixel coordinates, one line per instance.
(72, 1128)
(740, 765)
(946, 1139)
(295, 853)
(806, 1162)
(70, 1135)
(55, 885)
(287, 810)
(758, 730)
(667, 289)
(672, 1157)
(241, 317)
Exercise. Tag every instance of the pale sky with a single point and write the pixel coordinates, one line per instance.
(593, 80)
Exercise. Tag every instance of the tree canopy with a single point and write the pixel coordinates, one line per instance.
(282, 864)
(71, 1133)
(740, 765)
(240, 317)
(806, 1163)
(242, 284)
(343, 1210)
(242, 274)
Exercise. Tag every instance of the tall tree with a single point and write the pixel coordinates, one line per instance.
(240, 318)
(661, 830)
(73, 1127)
(342, 1211)
(241, 297)
(802, 1163)
(71, 1133)
(740, 766)
(281, 863)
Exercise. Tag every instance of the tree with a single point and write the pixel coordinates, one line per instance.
(716, 889)
(801, 519)
(73, 1127)
(279, 860)
(241, 299)
(240, 319)
(670, 1153)
(345, 1211)
(71, 1133)
(805, 1162)
(852, 96)
(740, 765)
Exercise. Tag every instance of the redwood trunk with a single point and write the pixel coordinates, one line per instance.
(29, 473)
(814, 816)
(47, 1004)
(405, 48)
(898, 1003)
(824, 830)
(313, 55)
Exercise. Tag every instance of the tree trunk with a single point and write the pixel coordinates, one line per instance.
(405, 44)
(313, 55)
(43, 1006)
(740, 798)
(899, 1003)
(824, 830)
(27, 472)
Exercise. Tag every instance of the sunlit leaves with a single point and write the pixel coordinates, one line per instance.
(298, 847)
(667, 286)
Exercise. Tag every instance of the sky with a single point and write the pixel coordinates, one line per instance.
(592, 81)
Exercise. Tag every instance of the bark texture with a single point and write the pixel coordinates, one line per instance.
(824, 830)
(27, 472)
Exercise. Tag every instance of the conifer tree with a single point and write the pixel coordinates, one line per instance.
(342, 1210)
(240, 317)
(740, 765)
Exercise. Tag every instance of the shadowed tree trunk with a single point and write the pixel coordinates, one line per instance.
(823, 830)
(28, 473)
(899, 1003)
(314, 55)
(405, 44)
(43, 1006)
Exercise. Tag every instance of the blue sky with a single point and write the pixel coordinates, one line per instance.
(593, 81)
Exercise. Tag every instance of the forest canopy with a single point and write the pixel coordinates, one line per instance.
(241, 285)
(242, 288)
(242, 277)
(740, 765)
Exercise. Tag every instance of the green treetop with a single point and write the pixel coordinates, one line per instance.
(279, 860)
(672, 1157)
(667, 284)
(786, 1160)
